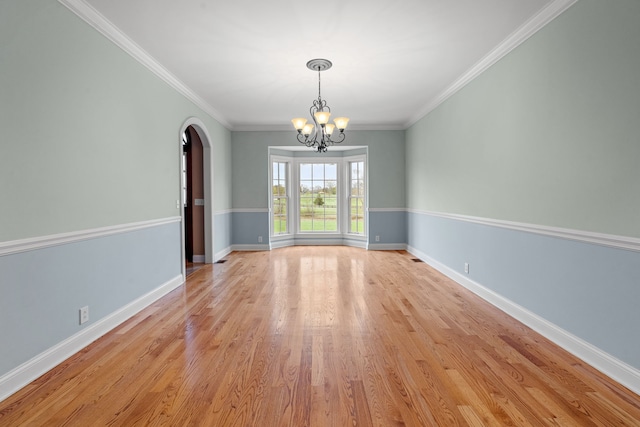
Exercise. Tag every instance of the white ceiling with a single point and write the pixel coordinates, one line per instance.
(245, 60)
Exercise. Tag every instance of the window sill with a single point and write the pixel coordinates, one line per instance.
(320, 235)
(277, 237)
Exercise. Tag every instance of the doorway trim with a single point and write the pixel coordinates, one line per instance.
(207, 172)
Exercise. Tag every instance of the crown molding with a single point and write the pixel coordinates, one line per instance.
(92, 17)
(519, 36)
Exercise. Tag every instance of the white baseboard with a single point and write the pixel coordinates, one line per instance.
(362, 244)
(277, 244)
(22, 375)
(387, 246)
(221, 254)
(607, 364)
(260, 247)
(198, 259)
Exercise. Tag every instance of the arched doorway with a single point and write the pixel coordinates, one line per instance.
(197, 212)
(193, 195)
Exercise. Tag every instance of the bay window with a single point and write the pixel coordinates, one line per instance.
(318, 197)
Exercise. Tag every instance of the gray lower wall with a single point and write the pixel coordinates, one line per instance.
(247, 226)
(589, 290)
(390, 226)
(43, 289)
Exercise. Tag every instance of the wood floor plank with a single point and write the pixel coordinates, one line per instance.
(321, 336)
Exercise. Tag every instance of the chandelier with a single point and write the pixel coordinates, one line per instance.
(318, 136)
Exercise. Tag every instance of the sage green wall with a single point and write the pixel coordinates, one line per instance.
(89, 135)
(549, 135)
(250, 165)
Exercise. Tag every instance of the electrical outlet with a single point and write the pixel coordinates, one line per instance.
(259, 239)
(377, 238)
(84, 314)
(466, 267)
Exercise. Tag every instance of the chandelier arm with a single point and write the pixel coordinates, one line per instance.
(341, 138)
(312, 110)
(302, 140)
(319, 105)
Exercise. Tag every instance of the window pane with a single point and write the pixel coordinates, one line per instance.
(331, 213)
(318, 172)
(280, 215)
(305, 186)
(306, 210)
(356, 204)
(317, 194)
(331, 187)
(331, 171)
(305, 171)
(279, 184)
(318, 197)
(357, 215)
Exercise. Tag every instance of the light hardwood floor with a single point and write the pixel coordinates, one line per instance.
(321, 336)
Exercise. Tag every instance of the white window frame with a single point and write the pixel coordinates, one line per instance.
(343, 192)
(347, 188)
(339, 196)
(289, 184)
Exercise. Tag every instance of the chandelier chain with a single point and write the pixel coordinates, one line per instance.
(319, 96)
